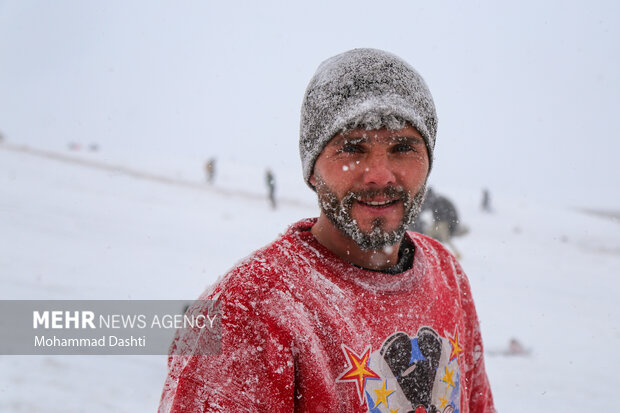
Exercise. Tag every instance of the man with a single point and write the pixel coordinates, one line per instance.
(210, 170)
(270, 180)
(486, 200)
(348, 312)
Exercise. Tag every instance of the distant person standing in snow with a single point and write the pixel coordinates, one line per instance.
(486, 201)
(210, 170)
(270, 180)
(347, 312)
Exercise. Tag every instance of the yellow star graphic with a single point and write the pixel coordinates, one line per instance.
(448, 377)
(443, 401)
(393, 411)
(382, 394)
(359, 371)
(456, 348)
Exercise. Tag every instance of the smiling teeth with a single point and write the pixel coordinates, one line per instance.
(376, 203)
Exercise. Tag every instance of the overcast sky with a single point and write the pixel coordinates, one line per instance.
(527, 92)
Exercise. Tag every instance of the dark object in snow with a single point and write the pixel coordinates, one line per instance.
(485, 205)
(270, 180)
(210, 170)
(444, 215)
(514, 348)
(445, 220)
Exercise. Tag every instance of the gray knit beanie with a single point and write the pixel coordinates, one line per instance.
(356, 84)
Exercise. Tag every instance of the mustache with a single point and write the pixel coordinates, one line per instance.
(388, 191)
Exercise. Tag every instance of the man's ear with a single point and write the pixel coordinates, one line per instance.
(312, 180)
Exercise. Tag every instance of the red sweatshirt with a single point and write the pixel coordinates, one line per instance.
(306, 331)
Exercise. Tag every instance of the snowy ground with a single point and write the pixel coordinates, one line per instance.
(546, 275)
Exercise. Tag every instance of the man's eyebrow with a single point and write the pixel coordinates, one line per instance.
(354, 140)
(351, 140)
(412, 140)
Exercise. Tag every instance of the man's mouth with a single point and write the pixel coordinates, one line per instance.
(379, 204)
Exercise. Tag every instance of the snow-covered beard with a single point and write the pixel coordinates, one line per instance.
(338, 211)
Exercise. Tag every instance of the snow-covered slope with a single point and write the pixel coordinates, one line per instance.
(544, 275)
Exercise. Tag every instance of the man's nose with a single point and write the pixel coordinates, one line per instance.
(378, 171)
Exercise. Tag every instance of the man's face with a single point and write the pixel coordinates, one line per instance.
(371, 184)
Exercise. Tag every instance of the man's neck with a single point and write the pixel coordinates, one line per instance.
(344, 247)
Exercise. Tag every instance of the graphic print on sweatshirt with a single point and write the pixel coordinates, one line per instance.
(418, 374)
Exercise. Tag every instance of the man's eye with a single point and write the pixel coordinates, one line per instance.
(350, 148)
(403, 147)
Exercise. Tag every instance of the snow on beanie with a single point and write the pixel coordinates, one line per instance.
(354, 84)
